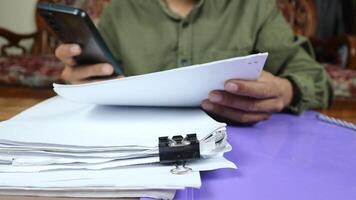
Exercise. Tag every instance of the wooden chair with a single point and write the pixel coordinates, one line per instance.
(14, 40)
(302, 16)
(44, 39)
(36, 67)
(44, 42)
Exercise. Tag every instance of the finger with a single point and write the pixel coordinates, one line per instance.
(234, 115)
(259, 90)
(246, 103)
(68, 61)
(66, 52)
(265, 76)
(76, 74)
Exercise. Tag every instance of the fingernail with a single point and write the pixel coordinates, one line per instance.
(215, 97)
(107, 69)
(231, 87)
(75, 49)
(207, 106)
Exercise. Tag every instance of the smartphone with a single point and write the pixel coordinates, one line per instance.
(73, 25)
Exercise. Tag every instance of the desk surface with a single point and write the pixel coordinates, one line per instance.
(16, 99)
(288, 157)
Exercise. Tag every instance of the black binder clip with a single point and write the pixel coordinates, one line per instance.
(179, 150)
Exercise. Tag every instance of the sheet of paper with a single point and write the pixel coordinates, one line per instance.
(85, 193)
(76, 166)
(150, 176)
(67, 124)
(187, 86)
(137, 177)
(30, 157)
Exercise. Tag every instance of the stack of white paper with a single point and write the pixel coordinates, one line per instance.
(64, 148)
(58, 146)
(79, 136)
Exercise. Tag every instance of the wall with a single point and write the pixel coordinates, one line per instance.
(18, 16)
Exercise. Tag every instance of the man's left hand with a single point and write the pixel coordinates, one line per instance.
(249, 102)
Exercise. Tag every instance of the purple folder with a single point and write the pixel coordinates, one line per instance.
(287, 157)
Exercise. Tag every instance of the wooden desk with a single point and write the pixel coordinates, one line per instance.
(16, 99)
(342, 109)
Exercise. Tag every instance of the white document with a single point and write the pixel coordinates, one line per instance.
(62, 135)
(83, 194)
(144, 177)
(182, 87)
(68, 124)
(132, 177)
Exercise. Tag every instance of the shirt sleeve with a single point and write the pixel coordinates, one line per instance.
(291, 57)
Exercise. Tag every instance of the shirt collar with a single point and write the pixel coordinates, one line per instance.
(176, 16)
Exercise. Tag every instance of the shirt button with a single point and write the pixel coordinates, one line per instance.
(185, 24)
(184, 62)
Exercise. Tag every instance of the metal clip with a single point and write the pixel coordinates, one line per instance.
(179, 149)
(180, 169)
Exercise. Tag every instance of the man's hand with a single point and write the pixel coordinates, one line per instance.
(249, 102)
(79, 74)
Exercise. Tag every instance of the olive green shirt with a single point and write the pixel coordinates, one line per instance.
(146, 36)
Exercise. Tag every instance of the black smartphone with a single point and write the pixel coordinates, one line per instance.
(73, 25)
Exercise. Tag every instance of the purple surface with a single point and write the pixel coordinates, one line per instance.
(287, 157)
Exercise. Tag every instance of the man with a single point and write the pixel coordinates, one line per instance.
(148, 36)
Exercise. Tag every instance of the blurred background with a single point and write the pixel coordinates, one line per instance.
(27, 45)
(18, 16)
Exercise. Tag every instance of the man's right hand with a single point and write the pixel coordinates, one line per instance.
(75, 74)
